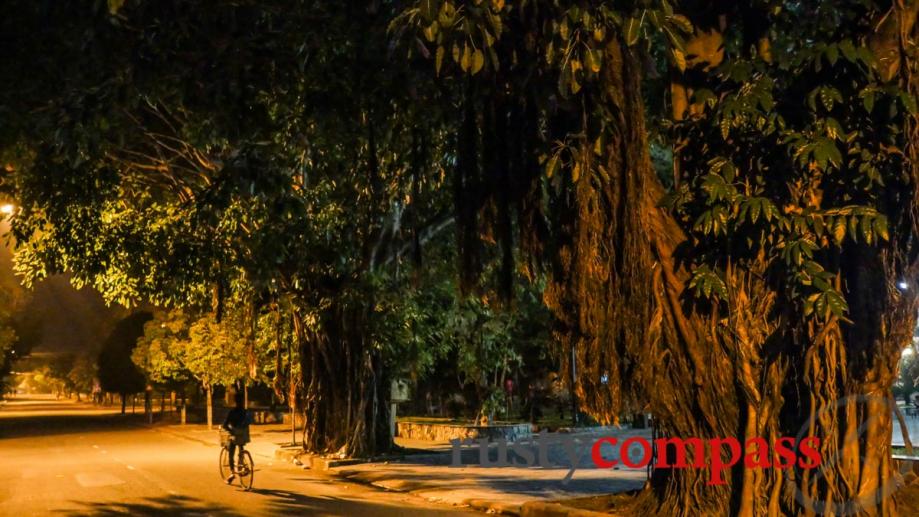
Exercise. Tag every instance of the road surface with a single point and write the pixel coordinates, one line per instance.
(61, 458)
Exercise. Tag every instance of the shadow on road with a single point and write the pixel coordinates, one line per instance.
(281, 503)
(153, 506)
(290, 503)
(34, 424)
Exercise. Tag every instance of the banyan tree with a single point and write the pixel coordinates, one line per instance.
(721, 198)
(763, 281)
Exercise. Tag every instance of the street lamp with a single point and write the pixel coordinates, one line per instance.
(7, 209)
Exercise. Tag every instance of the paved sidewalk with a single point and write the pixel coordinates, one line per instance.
(504, 489)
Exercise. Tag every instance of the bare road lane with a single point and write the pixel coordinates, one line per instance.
(69, 459)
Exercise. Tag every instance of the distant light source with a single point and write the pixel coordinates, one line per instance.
(902, 285)
(7, 209)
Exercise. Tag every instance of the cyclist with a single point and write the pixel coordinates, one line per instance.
(237, 424)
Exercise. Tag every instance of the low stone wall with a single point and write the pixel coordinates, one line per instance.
(443, 432)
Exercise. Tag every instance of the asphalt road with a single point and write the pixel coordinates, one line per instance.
(67, 459)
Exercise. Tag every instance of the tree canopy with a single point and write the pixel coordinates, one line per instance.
(117, 373)
(717, 202)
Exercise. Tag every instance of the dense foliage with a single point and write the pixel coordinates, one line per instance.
(716, 201)
(117, 373)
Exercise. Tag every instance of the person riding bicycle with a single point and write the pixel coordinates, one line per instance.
(237, 424)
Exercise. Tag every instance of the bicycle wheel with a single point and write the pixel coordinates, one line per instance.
(245, 470)
(224, 463)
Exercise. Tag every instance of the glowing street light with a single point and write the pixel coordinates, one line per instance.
(902, 285)
(7, 209)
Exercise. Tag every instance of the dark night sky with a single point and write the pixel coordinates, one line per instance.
(70, 320)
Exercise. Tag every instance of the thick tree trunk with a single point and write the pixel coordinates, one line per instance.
(618, 293)
(346, 403)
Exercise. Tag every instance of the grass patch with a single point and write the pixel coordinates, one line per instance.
(901, 451)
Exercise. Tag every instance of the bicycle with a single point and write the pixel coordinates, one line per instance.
(244, 469)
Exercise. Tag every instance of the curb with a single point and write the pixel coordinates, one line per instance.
(550, 509)
(493, 507)
(475, 504)
(527, 509)
(297, 456)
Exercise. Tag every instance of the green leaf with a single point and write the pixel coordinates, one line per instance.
(834, 130)
(809, 303)
(430, 32)
(681, 22)
(867, 96)
(839, 229)
(853, 227)
(478, 60)
(725, 127)
(826, 150)
(593, 59)
(866, 229)
(708, 283)
(466, 61)
(832, 54)
(114, 6)
(836, 303)
(880, 226)
(755, 207)
(439, 59)
(848, 50)
(679, 59)
(632, 26)
(447, 15)
(552, 165)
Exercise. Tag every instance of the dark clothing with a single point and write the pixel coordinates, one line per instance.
(237, 418)
(232, 450)
(237, 422)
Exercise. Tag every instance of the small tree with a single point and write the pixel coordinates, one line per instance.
(278, 358)
(82, 375)
(486, 352)
(60, 367)
(117, 373)
(177, 345)
(157, 353)
(215, 355)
